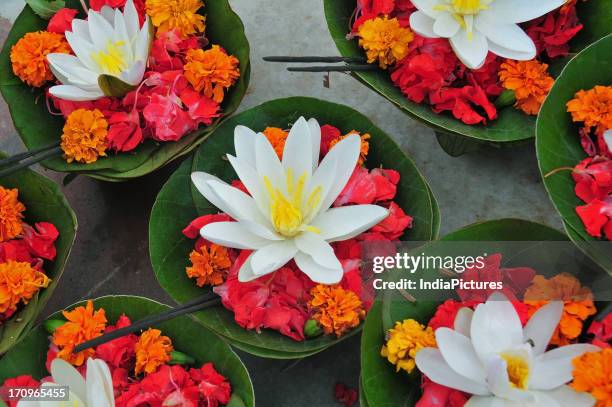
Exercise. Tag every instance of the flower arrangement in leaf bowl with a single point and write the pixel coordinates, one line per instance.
(37, 229)
(478, 70)
(304, 194)
(573, 147)
(162, 365)
(119, 88)
(538, 341)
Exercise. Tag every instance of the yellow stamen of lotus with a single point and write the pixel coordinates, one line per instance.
(112, 59)
(469, 6)
(463, 10)
(518, 370)
(287, 212)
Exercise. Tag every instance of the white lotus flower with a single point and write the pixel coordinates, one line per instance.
(97, 391)
(107, 43)
(476, 27)
(287, 215)
(491, 356)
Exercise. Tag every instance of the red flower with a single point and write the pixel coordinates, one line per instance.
(167, 49)
(552, 32)
(445, 314)
(345, 395)
(15, 249)
(118, 353)
(368, 187)
(201, 109)
(436, 395)
(168, 121)
(192, 230)
(19, 381)
(124, 133)
(328, 134)
(602, 332)
(593, 177)
(96, 5)
(213, 386)
(393, 226)
(62, 20)
(41, 241)
(167, 384)
(463, 103)
(597, 215)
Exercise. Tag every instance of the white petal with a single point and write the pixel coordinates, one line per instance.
(100, 30)
(608, 139)
(200, 180)
(272, 257)
(69, 92)
(297, 154)
(133, 76)
(246, 274)
(70, 71)
(143, 43)
(446, 25)
(495, 327)
(65, 374)
(463, 321)
(233, 234)
(132, 21)
(346, 222)
(565, 396)
(554, 368)
(499, 382)
(249, 177)
(427, 7)
(80, 29)
(541, 326)
(236, 202)
(315, 136)
(346, 155)
(431, 363)
(316, 272)
(508, 53)
(519, 11)
(100, 391)
(82, 49)
(108, 13)
(458, 352)
(317, 248)
(491, 401)
(472, 52)
(422, 24)
(267, 163)
(244, 143)
(509, 36)
(321, 182)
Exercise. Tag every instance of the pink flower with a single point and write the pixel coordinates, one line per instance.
(368, 187)
(201, 109)
(168, 121)
(436, 395)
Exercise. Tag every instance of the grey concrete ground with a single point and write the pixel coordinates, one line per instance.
(111, 251)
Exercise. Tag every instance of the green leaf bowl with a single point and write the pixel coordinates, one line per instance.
(512, 127)
(558, 142)
(44, 202)
(38, 128)
(29, 356)
(178, 203)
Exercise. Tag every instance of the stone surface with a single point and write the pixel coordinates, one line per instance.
(111, 251)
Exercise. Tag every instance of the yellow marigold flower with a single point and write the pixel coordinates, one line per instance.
(337, 310)
(84, 138)
(152, 350)
(384, 40)
(593, 107)
(578, 304)
(180, 15)
(365, 144)
(211, 71)
(530, 82)
(19, 282)
(277, 138)
(209, 265)
(11, 215)
(83, 324)
(404, 341)
(593, 374)
(29, 56)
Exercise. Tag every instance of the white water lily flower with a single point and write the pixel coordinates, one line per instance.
(109, 42)
(475, 27)
(287, 215)
(491, 356)
(96, 391)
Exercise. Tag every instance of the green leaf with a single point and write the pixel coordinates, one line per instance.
(178, 203)
(44, 201)
(381, 385)
(46, 8)
(113, 86)
(38, 128)
(558, 142)
(511, 125)
(28, 357)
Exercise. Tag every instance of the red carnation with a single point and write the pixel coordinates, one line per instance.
(124, 132)
(213, 386)
(394, 225)
(602, 332)
(41, 241)
(62, 20)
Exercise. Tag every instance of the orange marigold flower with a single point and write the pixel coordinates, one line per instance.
(209, 265)
(19, 282)
(180, 15)
(277, 138)
(384, 40)
(29, 56)
(365, 144)
(337, 310)
(84, 138)
(404, 341)
(152, 350)
(593, 107)
(578, 304)
(593, 374)
(211, 71)
(83, 324)
(11, 215)
(530, 82)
